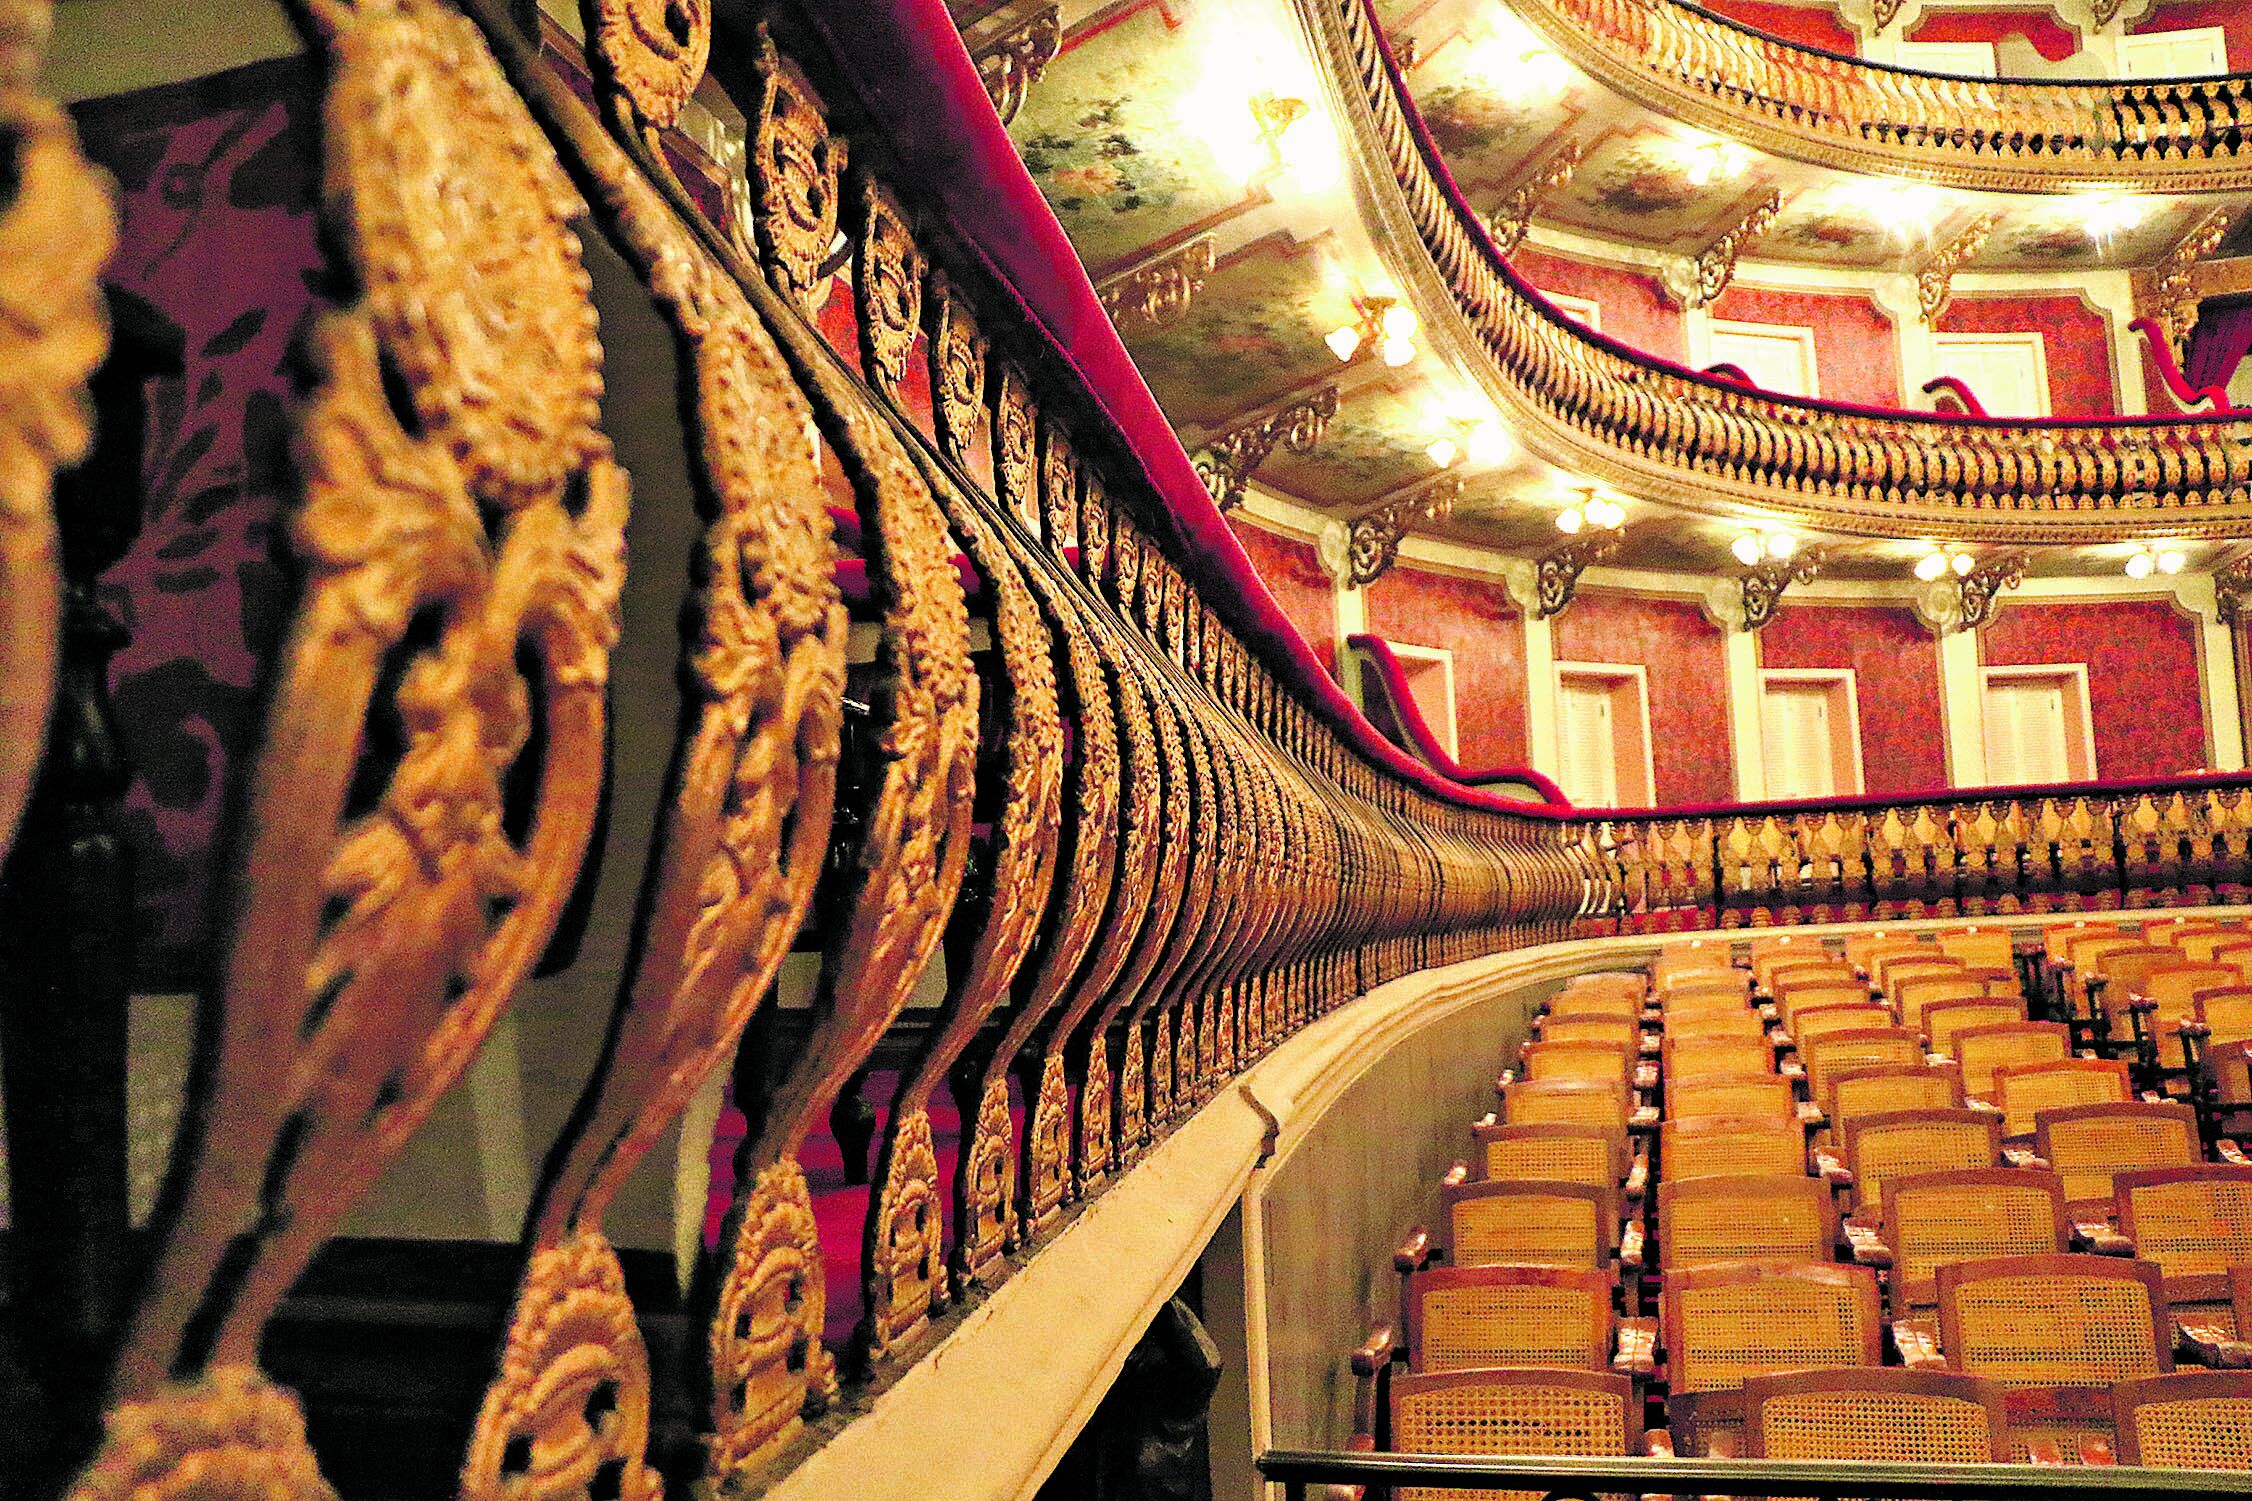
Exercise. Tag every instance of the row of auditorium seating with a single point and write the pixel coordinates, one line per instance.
(1902, 1197)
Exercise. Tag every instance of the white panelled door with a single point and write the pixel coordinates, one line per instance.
(2027, 722)
(1800, 740)
(1589, 753)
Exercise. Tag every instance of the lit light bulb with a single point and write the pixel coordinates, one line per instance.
(1397, 322)
(1396, 351)
(1489, 444)
(1931, 565)
(2140, 565)
(1747, 549)
(1781, 545)
(1344, 341)
(1568, 521)
(1700, 169)
(2105, 214)
(1963, 563)
(1606, 512)
(1443, 451)
(2170, 560)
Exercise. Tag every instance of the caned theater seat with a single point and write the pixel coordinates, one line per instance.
(1944, 1021)
(2087, 1144)
(2172, 991)
(1778, 1217)
(1706, 1146)
(1978, 947)
(1708, 974)
(1895, 970)
(1697, 1057)
(2226, 1011)
(1462, 1317)
(1907, 1417)
(1981, 1050)
(1617, 1002)
(1811, 1022)
(2199, 942)
(1917, 997)
(1866, 950)
(1529, 1222)
(1931, 1220)
(1898, 1143)
(1578, 1062)
(1871, 1088)
(1611, 1031)
(1721, 1324)
(1495, 1412)
(2024, 1090)
(1525, 1102)
(1561, 1153)
(2117, 975)
(2192, 1420)
(2046, 1320)
(1827, 1055)
(1793, 999)
(1726, 1020)
(1745, 1094)
(1809, 974)
(2195, 1223)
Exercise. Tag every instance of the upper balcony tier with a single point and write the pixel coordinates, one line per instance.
(1999, 134)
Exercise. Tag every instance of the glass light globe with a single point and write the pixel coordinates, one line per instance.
(1397, 351)
(1781, 545)
(2171, 560)
(1398, 322)
(1343, 341)
(1747, 549)
(1568, 522)
(1963, 563)
(1931, 565)
(1443, 452)
(2139, 566)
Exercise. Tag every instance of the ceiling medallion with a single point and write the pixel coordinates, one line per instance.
(1225, 463)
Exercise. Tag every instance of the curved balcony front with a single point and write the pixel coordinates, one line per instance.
(2023, 135)
(1660, 430)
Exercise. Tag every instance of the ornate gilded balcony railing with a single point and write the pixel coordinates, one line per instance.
(1995, 852)
(2001, 134)
(1653, 428)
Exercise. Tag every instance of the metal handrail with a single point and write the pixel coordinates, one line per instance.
(1562, 1476)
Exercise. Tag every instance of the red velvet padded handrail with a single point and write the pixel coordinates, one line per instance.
(1425, 741)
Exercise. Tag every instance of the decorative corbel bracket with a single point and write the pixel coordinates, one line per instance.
(1012, 62)
(1371, 544)
(1226, 463)
(1557, 574)
(2175, 298)
(1935, 278)
(2232, 591)
(1763, 584)
(1158, 289)
(1693, 282)
(1515, 216)
(1965, 603)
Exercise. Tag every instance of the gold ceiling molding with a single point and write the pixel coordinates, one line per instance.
(1698, 280)
(1515, 216)
(1935, 279)
(1012, 62)
(1159, 288)
(2001, 135)
(2178, 294)
(1225, 463)
(1588, 405)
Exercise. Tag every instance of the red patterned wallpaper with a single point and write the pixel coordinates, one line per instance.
(1474, 619)
(1687, 665)
(1813, 27)
(1632, 310)
(1895, 665)
(1856, 356)
(1293, 575)
(2233, 16)
(2075, 340)
(2051, 40)
(2142, 660)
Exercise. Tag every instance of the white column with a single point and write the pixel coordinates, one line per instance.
(2216, 675)
(1896, 297)
(1350, 605)
(2113, 294)
(1541, 745)
(1743, 715)
(1962, 702)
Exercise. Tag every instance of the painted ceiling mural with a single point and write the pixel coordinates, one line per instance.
(1193, 132)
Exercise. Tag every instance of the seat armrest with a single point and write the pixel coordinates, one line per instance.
(1986, 1106)
(1483, 1121)
(2228, 1151)
(1637, 1352)
(1456, 1176)
(1638, 1176)
(1645, 1076)
(1631, 1246)
(1657, 1444)
(1651, 1045)
(1830, 1170)
(2211, 1345)
(1769, 1012)
(1917, 1340)
(1793, 1071)
(1376, 1351)
(1504, 1079)
(1644, 1117)
(2025, 1159)
(1869, 1248)
(2101, 1239)
(1415, 1253)
(1810, 1115)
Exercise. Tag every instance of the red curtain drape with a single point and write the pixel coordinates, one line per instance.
(2221, 338)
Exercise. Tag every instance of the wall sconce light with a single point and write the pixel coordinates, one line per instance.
(1384, 321)
(2103, 215)
(1478, 438)
(1704, 162)
(2149, 558)
(1593, 508)
(1753, 548)
(1941, 560)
